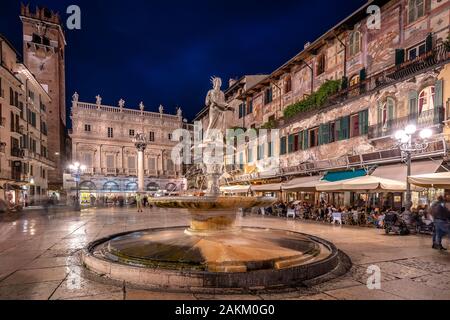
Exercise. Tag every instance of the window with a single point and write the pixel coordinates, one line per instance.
(270, 149)
(354, 80)
(282, 145)
(320, 64)
(131, 162)
(268, 95)
(110, 133)
(241, 110)
(287, 85)
(355, 43)
(87, 127)
(332, 132)
(416, 10)
(11, 96)
(31, 95)
(354, 126)
(169, 136)
(250, 106)
(261, 152)
(169, 165)
(249, 155)
(417, 51)
(152, 164)
(131, 133)
(110, 161)
(151, 136)
(387, 113)
(314, 137)
(87, 160)
(426, 99)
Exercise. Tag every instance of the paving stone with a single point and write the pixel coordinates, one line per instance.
(409, 289)
(425, 264)
(30, 291)
(75, 286)
(36, 276)
(361, 293)
(438, 281)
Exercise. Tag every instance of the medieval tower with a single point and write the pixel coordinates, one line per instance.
(43, 53)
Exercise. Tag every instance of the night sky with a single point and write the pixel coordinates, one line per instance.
(164, 52)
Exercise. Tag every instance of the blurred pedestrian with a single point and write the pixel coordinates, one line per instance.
(441, 217)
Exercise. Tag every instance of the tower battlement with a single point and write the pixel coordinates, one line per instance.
(40, 13)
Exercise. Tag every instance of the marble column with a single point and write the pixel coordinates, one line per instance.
(141, 187)
(140, 141)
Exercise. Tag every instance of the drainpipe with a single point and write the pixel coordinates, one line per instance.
(312, 75)
(279, 89)
(345, 53)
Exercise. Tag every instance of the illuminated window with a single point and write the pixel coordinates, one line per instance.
(426, 99)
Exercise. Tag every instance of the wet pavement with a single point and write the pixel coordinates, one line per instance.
(39, 258)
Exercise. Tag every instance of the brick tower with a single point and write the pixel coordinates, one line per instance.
(43, 51)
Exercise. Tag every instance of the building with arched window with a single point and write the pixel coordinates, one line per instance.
(102, 141)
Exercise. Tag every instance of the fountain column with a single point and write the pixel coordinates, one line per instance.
(140, 141)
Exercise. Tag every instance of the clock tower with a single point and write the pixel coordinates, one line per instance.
(44, 54)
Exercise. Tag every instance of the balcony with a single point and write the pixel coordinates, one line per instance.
(425, 119)
(437, 56)
(437, 148)
(17, 153)
(131, 172)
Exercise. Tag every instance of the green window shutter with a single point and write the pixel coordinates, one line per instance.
(439, 102)
(338, 129)
(291, 143)
(439, 96)
(412, 100)
(399, 56)
(324, 134)
(305, 140)
(300, 140)
(429, 42)
(363, 122)
(345, 128)
(282, 145)
(362, 74)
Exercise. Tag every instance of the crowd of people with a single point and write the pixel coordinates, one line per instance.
(423, 219)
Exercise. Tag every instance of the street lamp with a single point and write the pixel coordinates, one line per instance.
(76, 170)
(408, 147)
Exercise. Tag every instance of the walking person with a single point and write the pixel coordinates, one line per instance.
(441, 217)
(139, 202)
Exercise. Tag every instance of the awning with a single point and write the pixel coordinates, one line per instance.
(399, 171)
(302, 184)
(364, 184)
(344, 175)
(267, 187)
(432, 180)
(235, 189)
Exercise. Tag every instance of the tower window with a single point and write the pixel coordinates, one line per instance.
(151, 136)
(87, 127)
(131, 133)
(110, 133)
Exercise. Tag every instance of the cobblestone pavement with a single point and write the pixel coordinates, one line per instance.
(39, 258)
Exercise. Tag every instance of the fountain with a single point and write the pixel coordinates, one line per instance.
(212, 252)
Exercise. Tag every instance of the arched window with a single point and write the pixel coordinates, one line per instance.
(152, 186)
(426, 99)
(132, 186)
(387, 113)
(111, 186)
(354, 80)
(416, 10)
(87, 185)
(355, 43)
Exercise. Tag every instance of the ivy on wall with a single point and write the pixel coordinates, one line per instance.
(315, 100)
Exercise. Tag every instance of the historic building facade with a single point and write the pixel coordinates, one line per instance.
(44, 54)
(339, 102)
(102, 141)
(24, 161)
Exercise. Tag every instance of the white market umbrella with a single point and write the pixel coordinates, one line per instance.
(431, 180)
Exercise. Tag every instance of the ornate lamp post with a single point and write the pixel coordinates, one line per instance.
(141, 142)
(76, 170)
(408, 147)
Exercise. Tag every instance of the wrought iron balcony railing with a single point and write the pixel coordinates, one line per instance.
(425, 119)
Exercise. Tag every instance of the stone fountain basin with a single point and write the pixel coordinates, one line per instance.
(212, 213)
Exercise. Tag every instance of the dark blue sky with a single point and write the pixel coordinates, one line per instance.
(164, 52)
